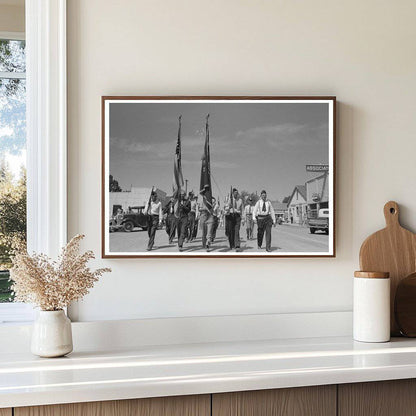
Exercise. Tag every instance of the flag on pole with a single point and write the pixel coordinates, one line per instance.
(205, 184)
(177, 166)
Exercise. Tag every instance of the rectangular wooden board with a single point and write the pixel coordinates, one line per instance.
(300, 401)
(381, 398)
(159, 406)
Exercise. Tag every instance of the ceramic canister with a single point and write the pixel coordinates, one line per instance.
(371, 307)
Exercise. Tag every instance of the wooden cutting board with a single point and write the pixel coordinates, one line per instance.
(392, 250)
(405, 306)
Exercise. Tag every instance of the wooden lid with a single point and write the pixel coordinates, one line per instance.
(372, 275)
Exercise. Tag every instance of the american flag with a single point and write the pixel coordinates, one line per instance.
(206, 169)
(177, 166)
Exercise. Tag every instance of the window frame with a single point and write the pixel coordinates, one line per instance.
(14, 312)
(46, 135)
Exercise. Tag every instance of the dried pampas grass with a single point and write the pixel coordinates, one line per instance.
(53, 285)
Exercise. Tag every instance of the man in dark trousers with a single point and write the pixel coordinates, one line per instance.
(206, 218)
(155, 216)
(182, 213)
(171, 220)
(216, 214)
(191, 217)
(263, 215)
(234, 209)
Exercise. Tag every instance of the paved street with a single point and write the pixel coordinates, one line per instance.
(285, 238)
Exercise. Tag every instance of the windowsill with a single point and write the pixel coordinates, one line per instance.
(16, 314)
(151, 371)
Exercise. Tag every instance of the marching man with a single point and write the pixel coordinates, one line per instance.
(171, 220)
(234, 209)
(248, 213)
(184, 207)
(153, 209)
(264, 217)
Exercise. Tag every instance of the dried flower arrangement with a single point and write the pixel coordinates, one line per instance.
(52, 285)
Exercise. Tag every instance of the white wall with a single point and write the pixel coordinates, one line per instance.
(12, 17)
(361, 51)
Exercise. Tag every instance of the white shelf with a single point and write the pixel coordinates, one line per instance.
(148, 371)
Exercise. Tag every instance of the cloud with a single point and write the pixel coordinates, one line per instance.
(284, 136)
(6, 131)
(226, 149)
(128, 146)
(192, 148)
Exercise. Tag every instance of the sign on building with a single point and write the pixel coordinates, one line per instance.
(317, 168)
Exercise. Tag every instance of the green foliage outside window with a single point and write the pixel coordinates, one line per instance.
(12, 147)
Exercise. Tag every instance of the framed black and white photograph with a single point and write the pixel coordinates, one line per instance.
(218, 177)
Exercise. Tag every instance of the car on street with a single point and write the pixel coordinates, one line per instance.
(133, 218)
(318, 220)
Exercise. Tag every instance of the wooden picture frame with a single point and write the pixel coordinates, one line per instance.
(241, 139)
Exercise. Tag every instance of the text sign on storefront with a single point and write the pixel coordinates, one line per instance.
(317, 168)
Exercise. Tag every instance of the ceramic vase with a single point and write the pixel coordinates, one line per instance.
(52, 334)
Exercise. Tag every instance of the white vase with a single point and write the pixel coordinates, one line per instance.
(52, 334)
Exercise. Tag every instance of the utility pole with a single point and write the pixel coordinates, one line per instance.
(186, 186)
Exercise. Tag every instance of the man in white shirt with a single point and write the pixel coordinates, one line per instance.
(248, 216)
(206, 219)
(155, 217)
(234, 212)
(264, 216)
(192, 217)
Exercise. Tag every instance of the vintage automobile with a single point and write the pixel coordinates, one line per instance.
(133, 218)
(318, 220)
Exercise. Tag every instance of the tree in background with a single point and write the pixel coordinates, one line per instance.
(12, 213)
(12, 223)
(114, 186)
(245, 195)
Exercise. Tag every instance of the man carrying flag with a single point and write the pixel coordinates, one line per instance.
(177, 169)
(184, 207)
(206, 215)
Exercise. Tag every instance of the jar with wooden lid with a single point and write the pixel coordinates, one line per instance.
(371, 307)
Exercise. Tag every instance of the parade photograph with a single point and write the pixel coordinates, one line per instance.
(218, 177)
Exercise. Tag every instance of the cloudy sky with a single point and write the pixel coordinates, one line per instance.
(254, 146)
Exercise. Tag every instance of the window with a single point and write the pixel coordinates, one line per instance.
(12, 155)
(12, 168)
(43, 93)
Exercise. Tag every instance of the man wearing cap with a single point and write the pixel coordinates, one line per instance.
(206, 219)
(248, 216)
(235, 213)
(184, 207)
(155, 217)
(263, 215)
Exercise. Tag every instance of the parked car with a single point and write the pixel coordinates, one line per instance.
(133, 218)
(318, 220)
(6, 294)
